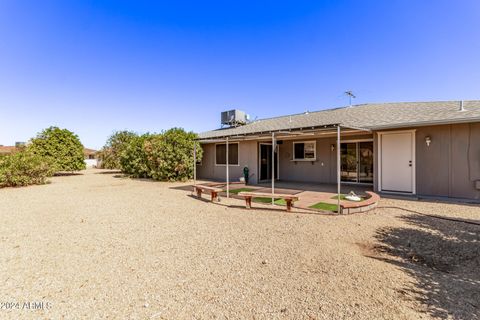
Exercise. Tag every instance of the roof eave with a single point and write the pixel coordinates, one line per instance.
(263, 134)
(424, 123)
(269, 132)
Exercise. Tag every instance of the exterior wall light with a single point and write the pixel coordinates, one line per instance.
(428, 140)
(332, 147)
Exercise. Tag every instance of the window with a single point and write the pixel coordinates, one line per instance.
(221, 154)
(305, 150)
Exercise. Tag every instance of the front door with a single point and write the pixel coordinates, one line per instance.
(266, 162)
(397, 167)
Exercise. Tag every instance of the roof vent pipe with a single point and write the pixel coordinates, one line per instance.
(461, 106)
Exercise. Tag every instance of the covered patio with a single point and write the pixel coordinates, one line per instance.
(309, 193)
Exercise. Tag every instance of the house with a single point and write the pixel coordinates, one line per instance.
(90, 157)
(428, 149)
(11, 149)
(7, 149)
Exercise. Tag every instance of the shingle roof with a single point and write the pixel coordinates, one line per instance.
(372, 116)
(7, 149)
(87, 151)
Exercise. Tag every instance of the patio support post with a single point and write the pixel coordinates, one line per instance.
(227, 173)
(273, 167)
(194, 163)
(338, 169)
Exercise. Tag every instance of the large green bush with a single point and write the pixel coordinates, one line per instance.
(23, 168)
(170, 155)
(167, 156)
(133, 159)
(117, 143)
(60, 147)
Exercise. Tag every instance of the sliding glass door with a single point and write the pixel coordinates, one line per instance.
(348, 153)
(365, 159)
(357, 161)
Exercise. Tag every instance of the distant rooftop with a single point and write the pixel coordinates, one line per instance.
(371, 116)
(7, 149)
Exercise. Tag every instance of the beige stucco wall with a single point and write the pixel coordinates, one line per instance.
(323, 170)
(247, 153)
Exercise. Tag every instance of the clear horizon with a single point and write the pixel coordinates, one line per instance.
(97, 67)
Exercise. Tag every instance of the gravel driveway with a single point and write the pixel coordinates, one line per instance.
(96, 245)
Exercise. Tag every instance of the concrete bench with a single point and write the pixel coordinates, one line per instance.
(361, 206)
(199, 189)
(289, 198)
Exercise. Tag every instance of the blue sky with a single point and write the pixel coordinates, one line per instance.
(98, 66)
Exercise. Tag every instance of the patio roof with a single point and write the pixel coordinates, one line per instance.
(275, 135)
(281, 134)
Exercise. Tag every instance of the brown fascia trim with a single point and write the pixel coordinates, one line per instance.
(246, 135)
(265, 134)
(424, 124)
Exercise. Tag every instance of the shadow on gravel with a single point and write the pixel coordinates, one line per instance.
(276, 208)
(183, 188)
(67, 174)
(109, 172)
(443, 257)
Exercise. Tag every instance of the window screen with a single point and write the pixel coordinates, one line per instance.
(221, 153)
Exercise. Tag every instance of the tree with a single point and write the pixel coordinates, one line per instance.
(60, 147)
(22, 169)
(133, 159)
(111, 153)
(170, 154)
(167, 156)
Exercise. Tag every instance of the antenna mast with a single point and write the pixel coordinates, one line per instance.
(350, 95)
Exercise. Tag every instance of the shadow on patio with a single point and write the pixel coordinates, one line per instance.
(318, 187)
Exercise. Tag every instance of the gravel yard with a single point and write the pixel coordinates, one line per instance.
(97, 245)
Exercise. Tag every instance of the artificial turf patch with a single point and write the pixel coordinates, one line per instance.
(325, 206)
(278, 201)
(237, 191)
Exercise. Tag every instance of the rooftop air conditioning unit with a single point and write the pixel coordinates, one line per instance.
(234, 118)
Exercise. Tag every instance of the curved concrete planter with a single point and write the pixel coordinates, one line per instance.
(362, 206)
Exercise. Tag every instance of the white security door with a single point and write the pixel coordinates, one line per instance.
(397, 167)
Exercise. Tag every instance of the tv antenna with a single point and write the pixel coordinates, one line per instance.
(350, 95)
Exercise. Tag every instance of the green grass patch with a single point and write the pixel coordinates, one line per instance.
(342, 197)
(237, 191)
(325, 206)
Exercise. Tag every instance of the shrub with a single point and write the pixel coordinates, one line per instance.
(167, 156)
(170, 155)
(60, 147)
(23, 168)
(133, 159)
(116, 144)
